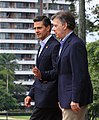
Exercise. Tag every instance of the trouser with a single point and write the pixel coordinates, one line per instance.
(68, 114)
(46, 114)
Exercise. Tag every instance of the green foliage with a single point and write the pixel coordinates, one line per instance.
(92, 24)
(93, 58)
(7, 66)
(95, 10)
(16, 92)
(7, 102)
(19, 92)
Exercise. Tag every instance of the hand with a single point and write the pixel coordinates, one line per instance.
(36, 72)
(27, 101)
(75, 106)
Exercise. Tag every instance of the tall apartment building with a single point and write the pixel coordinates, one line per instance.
(17, 34)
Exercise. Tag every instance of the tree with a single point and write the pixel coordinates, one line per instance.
(93, 58)
(7, 66)
(92, 19)
(11, 92)
(7, 102)
(19, 92)
(82, 21)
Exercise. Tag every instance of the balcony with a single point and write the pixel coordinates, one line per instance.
(29, 72)
(19, 51)
(28, 82)
(15, 20)
(19, 10)
(19, 41)
(17, 31)
(24, 61)
(21, 0)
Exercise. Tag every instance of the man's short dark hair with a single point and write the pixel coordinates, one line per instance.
(46, 21)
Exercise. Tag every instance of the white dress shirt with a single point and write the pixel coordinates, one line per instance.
(43, 43)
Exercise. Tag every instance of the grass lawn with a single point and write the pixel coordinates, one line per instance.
(27, 118)
(20, 117)
(15, 117)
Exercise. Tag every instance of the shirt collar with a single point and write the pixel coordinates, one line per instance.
(65, 38)
(43, 42)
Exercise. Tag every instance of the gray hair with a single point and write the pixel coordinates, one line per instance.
(65, 17)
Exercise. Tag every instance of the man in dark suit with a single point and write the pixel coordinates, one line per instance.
(74, 88)
(46, 84)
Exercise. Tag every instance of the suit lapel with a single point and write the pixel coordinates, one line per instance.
(37, 60)
(66, 44)
(47, 45)
(64, 47)
(44, 50)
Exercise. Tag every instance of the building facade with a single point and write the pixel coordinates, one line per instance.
(17, 34)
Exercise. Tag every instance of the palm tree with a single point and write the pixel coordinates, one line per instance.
(7, 66)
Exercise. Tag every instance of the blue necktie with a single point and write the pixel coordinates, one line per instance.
(61, 42)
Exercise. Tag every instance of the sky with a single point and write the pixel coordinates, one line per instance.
(92, 36)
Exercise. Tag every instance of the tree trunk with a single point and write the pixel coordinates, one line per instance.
(82, 21)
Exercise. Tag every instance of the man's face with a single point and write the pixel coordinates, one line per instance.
(40, 30)
(58, 28)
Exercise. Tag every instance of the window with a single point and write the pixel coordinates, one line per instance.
(4, 4)
(3, 15)
(19, 36)
(4, 25)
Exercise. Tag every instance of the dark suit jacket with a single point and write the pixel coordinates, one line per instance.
(74, 80)
(45, 91)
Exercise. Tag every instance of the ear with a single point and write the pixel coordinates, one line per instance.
(65, 26)
(48, 28)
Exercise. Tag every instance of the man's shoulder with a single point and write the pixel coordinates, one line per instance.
(76, 40)
(54, 40)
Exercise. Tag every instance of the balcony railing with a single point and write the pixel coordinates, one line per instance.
(18, 48)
